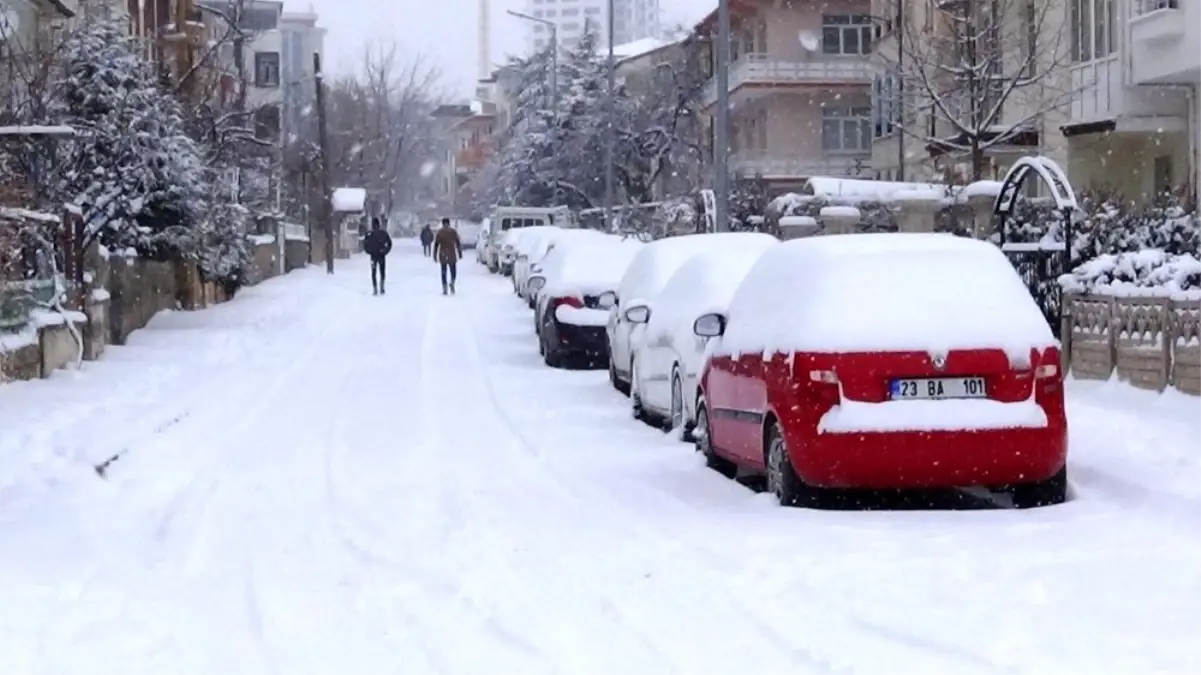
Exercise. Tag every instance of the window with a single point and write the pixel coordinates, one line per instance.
(1093, 29)
(538, 28)
(886, 104)
(1163, 175)
(538, 12)
(266, 69)
(592, 10)
(571, 25)
(550, 12)
(1030, 50)
(847, 34)
(570, 11)
(846, 129)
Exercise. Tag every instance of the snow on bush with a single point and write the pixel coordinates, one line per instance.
(1148, 272)
(874, 215)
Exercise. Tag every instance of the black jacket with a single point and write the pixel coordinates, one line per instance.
(427, 235)
(377, 243)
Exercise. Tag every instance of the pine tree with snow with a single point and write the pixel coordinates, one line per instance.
(132, 169)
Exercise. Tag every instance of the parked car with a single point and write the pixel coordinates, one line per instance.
(571, 312)
(481, 248)
(667, 360)
(528, 286)
(884, 361)
(646, 276)
(532, 244)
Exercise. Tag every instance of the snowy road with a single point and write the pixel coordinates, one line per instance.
(314, 480)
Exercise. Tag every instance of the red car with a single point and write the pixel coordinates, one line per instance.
(884, 361)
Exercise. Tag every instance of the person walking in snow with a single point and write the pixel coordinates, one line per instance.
(377, 244)
(427, 239)
(447, 250)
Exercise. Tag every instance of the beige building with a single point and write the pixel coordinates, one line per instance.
(800, 89)
(1133, 125)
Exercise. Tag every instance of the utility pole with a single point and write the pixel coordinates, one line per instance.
(898, 105)
(610, 127)
(721, 142)
(327, 220)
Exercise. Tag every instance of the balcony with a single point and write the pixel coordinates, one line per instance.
(1102, 95)
(764, 70)
(471, 158)
(781, 165)
(1164, 35)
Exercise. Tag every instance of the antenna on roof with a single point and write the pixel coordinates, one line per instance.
(485, 41)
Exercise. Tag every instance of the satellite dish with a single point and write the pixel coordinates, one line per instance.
(810, 40)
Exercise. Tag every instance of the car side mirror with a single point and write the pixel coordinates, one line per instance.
(638, 314)
(607, 300)
(709, 325)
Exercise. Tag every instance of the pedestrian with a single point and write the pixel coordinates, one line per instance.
(448, 249)
(377, 244)
(427, 239)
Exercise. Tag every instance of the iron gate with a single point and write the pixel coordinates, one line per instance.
(1040, 266)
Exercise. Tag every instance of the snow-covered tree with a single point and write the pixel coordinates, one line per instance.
(132, 169)
(971, 75)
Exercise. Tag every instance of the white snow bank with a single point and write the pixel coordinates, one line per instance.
(866, 189)
(798, 221)
(582, 316)
(349, 200)
(40, 318)
(101, 295)
(919, 195)
(839, 212)
(945, 415)
(37, 130)
(261, 239)
(589, 269)
(884, 292)
(26, 214)
(1150, 272)
(658, 260)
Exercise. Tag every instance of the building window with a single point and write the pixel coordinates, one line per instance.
(847, 34)
(592, 10)
(266, 69)
(538, 12)
(571, 25)
(550, 12)
(886, 104)
(1163, 175)
(570, 11)
(1093, 29)
(538, 28)
(846, 129)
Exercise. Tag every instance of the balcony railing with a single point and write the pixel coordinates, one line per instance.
(774, 164)
(816, 70)
(1147, 6)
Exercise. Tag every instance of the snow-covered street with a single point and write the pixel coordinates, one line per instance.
(313, 480)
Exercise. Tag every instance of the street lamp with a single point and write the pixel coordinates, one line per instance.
(721, 142)
(554, 55)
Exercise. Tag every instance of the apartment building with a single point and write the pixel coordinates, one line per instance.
(632, 20)
(1133, 124)
(469, 138)
(800, 82)
(300, 38)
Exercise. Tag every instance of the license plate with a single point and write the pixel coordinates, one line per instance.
(938, 387)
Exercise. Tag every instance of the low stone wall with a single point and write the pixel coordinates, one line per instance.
(1150, 342)
(264, 259)
(296, 254)
(139, 289)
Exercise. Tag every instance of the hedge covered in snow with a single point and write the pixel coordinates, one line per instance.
(1151, 272)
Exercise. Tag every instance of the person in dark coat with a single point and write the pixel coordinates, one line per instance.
(378, 244)
(447, 250)
(427, 239)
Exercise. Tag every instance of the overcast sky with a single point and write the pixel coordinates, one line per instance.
(442, 31)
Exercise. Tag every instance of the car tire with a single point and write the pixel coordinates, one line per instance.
(703, 444)
(676, 418)
(636, 407)
(552, 357)
(782, 480)
(617, 384)
(1049, 492)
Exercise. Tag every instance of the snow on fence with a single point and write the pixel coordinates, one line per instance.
(295, 232)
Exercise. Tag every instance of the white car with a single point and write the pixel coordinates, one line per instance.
(571, 312)
(669, 357)
(481, 247)
(536, 261)
(531, 244)
(646, 276)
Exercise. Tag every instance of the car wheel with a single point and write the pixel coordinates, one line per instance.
(782, 480)
(552, 358)
(1054, 490)
(617, 384)
(676, 420)
(640, 413)
(704, 445)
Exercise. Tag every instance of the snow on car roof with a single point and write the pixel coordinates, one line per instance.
(658, 260)
(704, 284)
(591, 268)
(884, 292)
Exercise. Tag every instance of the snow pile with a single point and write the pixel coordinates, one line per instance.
(983, 188)
(592, 268)
(659, 260)
(875, 215)
(1151, 272)
(349, 200)
(703, 285)
(839, 212)
(849, 417)
(582, 316)
(884, 292)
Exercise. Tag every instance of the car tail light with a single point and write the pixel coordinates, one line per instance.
(823, 376)
(568, 302)
(1046, 371)
(825, 387)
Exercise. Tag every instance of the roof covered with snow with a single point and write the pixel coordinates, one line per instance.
(632, 50)
(349, 199)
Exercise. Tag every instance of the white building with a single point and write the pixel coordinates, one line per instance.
(632, 20)
(300, 38)
(1135, 123)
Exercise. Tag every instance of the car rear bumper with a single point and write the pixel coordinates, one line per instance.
(881, 460)
(582, 341)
